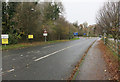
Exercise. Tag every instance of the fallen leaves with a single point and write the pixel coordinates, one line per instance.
(111, 60)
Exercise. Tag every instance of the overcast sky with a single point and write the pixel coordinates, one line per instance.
(82, 10)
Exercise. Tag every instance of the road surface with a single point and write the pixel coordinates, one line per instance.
(48, 62)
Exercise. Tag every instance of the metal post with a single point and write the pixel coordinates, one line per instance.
(45, 38)
(104, 37)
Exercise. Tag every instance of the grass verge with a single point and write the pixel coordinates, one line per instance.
(74, 38)
(23, 45)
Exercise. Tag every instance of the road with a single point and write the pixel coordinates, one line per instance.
(48, 62)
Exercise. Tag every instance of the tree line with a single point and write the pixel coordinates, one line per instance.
(19, 19)
(108, 20)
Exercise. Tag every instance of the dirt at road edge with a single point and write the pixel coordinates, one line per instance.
(111, 61)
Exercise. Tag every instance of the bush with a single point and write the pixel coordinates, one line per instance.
(13, 39)
(110, 36)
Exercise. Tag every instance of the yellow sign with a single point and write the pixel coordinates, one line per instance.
(30, 36)
(5, 41)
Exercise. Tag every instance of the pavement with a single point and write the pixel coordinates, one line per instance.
(93, 66)
(48, 62)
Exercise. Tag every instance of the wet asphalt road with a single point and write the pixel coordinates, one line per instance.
(48, 62)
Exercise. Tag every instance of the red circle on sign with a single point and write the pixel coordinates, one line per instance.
(45, 31)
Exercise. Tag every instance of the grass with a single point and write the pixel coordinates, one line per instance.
(114, 54)
(76, 74)
(74, 38)
(22, 45)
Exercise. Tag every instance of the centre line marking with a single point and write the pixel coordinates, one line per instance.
(52, 53)
(11, 70)
(55, 52)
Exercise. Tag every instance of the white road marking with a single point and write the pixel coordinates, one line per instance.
(49, 55)
(11, 70)
(55, 52)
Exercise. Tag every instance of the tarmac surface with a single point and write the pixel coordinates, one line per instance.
(48, 62)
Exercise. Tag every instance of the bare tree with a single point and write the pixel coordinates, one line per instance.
(107, 19)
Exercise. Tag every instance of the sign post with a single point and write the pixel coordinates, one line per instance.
(30, 37)
(4, 39)
(45, 34)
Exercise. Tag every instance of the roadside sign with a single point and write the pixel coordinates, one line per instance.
(84, 33)
(45, 31)
(4, 40)
(44, 34)
(30, 36)
(4, 36)
(75, 33)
